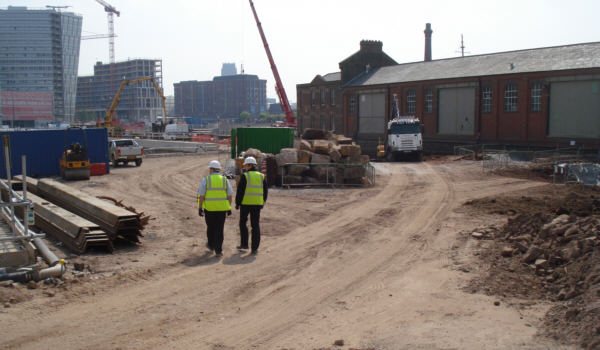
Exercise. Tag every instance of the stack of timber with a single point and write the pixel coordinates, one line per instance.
(77, 233)
(323, 157)
(116, 221)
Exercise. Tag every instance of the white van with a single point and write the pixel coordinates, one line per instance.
(174, 130)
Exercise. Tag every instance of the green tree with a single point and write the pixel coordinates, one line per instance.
(245, 116)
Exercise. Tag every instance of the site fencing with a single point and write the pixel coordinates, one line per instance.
(500, 156)
(327, 174)
(568, 165)
(581, 173)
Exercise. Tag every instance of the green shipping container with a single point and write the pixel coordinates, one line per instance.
(267, 140)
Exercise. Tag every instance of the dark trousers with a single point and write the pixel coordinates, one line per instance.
(254, 212)
(215, 222)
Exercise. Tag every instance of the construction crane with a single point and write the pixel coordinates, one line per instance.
(110, 10)
(283, 100)
(55, 8)
(110, 112)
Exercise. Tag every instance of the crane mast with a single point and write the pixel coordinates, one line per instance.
(110, 10)
(285, 104)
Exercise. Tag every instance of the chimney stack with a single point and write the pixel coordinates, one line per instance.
(428, 32)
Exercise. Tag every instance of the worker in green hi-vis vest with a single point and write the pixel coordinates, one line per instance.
(251, 196)
(214, 202)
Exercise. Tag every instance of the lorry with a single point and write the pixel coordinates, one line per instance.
(125, 151)
(403, 137)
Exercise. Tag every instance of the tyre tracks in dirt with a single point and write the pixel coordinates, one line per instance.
(371, 272)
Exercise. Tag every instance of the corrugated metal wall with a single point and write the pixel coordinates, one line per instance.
(371, 113)
(267, 140)
(575, 109)
(44, 148)
(456, 111)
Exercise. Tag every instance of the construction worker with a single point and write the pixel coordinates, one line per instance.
(214, 202)
(251, 196)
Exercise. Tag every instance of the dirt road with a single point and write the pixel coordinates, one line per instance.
(379, 267)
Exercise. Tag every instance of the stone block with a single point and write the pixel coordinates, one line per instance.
(319, 158)
(304, 156)
(350, 150)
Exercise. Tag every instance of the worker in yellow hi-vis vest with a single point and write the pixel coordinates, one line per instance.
(214, 202)
(251, 196)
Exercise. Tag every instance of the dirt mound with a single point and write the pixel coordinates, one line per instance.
(549, 249)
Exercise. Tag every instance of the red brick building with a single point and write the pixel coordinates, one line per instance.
(537, 97)
(319, 103)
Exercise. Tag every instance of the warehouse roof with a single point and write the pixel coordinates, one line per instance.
(556, 58)
(332, 76)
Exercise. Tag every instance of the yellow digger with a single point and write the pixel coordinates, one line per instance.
(75, 162)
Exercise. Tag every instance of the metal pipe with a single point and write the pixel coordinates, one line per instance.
(46, 253)
(54, 271)
(8, 176)
(20, 276)
(27, 207)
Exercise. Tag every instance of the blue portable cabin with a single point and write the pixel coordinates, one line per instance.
(44, 149)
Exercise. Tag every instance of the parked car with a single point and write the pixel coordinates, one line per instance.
(125, 151)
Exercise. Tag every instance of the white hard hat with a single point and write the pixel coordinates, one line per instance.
(250, 160)
(214, 164)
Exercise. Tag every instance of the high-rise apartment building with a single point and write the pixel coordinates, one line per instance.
(39, 58)
(224, 96)
(139, 102)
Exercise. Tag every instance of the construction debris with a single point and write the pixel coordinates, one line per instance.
(75, 232)
(116, 221)
(324, 158)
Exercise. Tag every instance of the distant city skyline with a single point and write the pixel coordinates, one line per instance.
(194, 38)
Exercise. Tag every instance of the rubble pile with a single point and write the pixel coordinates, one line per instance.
(323, 157)
(551, 254)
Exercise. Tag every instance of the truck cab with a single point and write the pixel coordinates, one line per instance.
(404, 137)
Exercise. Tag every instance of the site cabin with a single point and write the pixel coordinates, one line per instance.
(404, 138)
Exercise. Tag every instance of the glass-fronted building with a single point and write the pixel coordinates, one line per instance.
(39, 59)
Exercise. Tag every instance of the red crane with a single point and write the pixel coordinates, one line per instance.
(283, 100)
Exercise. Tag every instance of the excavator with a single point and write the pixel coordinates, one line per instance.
(110, 113)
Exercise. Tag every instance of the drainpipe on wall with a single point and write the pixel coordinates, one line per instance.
(478, 111)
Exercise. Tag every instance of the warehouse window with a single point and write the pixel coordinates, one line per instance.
(332, 97)
(510, 97)
(536, 96)
(428, 100)
(352, 108)
(411, 101)
(486, 99)
(322, 96)
(331, 122)
(323, 123)
(313, 97)
(313, 122)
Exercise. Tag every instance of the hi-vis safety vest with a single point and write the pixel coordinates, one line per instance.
(215, 198)
(254, 188)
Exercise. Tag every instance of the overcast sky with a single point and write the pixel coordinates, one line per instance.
(310, 37)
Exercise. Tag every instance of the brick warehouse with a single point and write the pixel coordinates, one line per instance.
(320, 103)
(543, 97)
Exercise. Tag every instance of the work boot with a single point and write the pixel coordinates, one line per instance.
(208, 246)
(218, 255)
(254, 251)
(241, 247)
